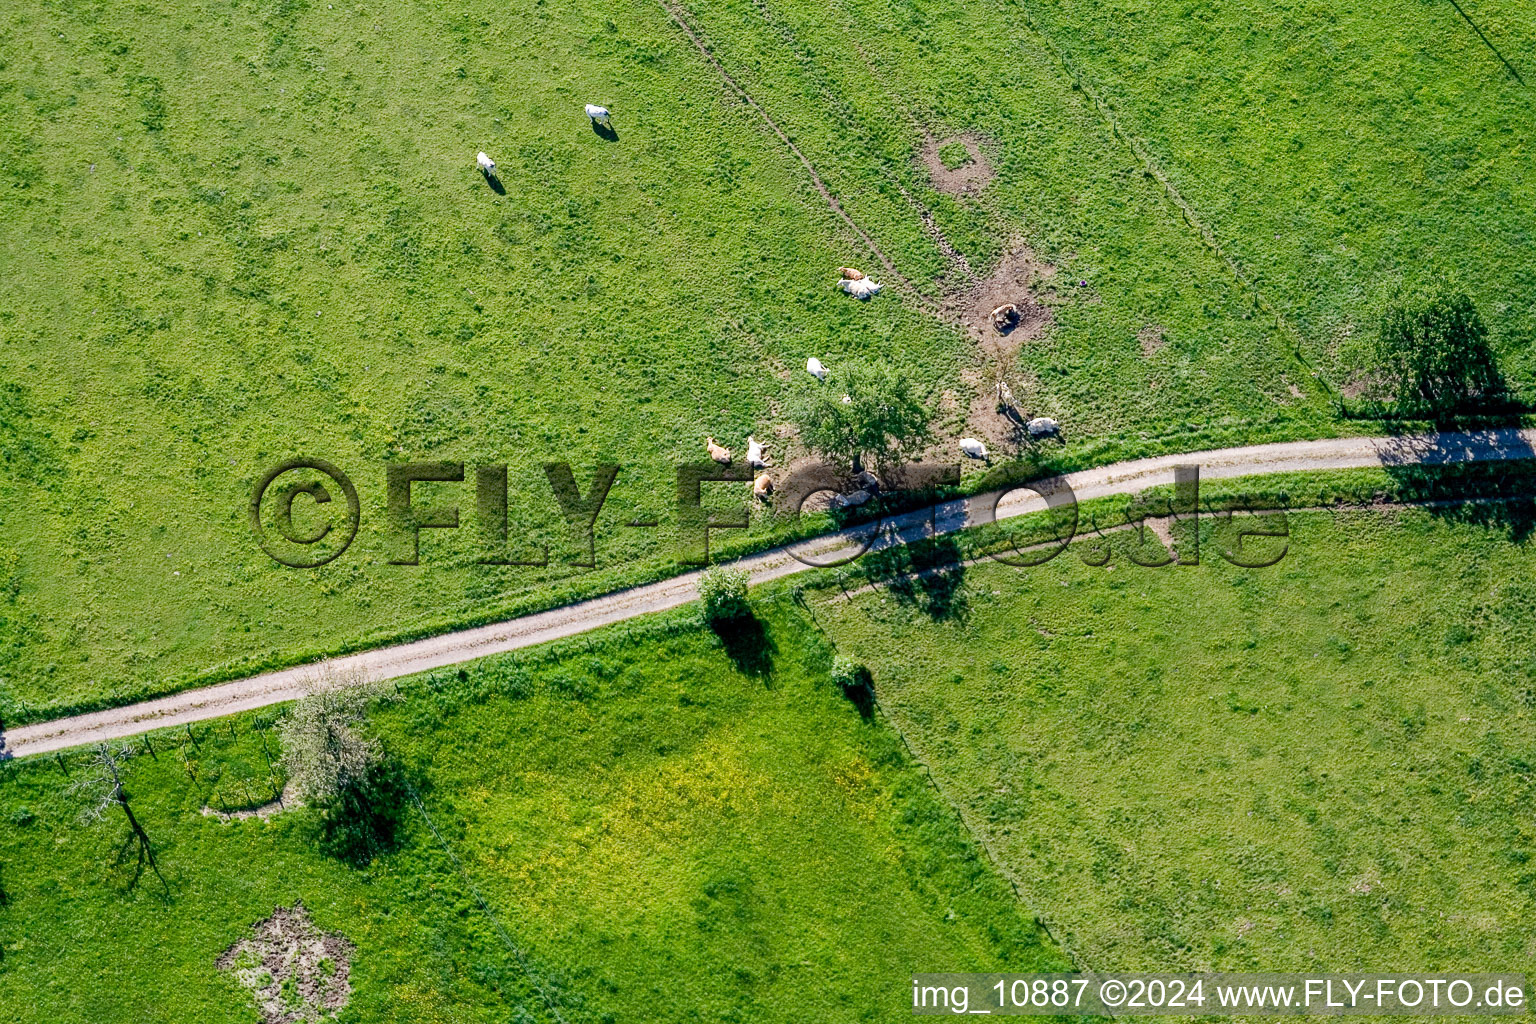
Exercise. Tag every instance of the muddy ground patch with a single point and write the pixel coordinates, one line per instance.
(296, 972)
(1021, 279)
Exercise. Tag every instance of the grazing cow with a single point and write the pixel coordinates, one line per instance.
(973, 448)
(716, 452)
(599, 115)
(486, 164)
(1005, 318)
(1043, 426)
(1004, 395)
(815, 369)
(756, 452)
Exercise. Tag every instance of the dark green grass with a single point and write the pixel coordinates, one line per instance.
(661, 836)
(1322, 764)
(235, 234)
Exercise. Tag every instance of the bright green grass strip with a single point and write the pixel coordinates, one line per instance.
(664, 836)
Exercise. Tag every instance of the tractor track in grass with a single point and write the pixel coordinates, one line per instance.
(680, 18)
(395, 661)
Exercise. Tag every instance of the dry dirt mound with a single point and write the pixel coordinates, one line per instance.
(295, 971)
(970, 176)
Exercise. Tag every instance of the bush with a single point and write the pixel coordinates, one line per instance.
(724, 592)
(848, 673)
(857, 684)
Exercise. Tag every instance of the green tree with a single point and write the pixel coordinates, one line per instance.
(1432, 350)
(724, 593)
(864, 410)
(344, 774)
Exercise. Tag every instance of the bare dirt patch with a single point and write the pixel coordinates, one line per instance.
(1151, 339)
(1019, 280)
(287, 800)
(295, 971)
(970, 177)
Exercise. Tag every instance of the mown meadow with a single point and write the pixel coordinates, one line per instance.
(237, 234)
(1321, 764)
(657, 831)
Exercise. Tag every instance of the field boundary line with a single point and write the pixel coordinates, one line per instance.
(458, 646)
(1488, 42)
(677, 13)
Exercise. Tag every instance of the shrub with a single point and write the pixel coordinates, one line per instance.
(856, 682)
(724, 592)
(848, 673)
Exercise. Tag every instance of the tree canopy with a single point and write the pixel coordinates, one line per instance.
(864, 410)
(1432, 349)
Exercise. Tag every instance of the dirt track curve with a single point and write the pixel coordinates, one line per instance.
(465, 645)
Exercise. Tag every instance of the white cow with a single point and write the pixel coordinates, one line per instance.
(486, 164)
(599, 115)
(972, 447)
(815, 369)
(851, 500)
(756, 453)
(859, 288)
(1043, 426)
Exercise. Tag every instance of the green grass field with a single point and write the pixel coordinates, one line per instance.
(235, 234)
(659, 835)
(1335, 149)
(1321, 764)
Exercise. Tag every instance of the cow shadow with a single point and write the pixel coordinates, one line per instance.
(496, 185)
(605, 132)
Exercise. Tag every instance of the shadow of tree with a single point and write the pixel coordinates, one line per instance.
(860, 691)
(364, 822)
(747, 644)
(1496, 492)
(928, 576)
